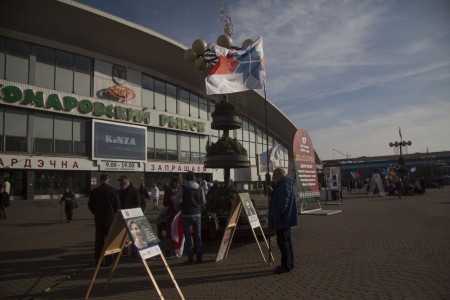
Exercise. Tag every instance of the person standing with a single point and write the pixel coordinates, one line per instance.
(68, 198)
(212, 189)
(282, 216)
(103, 202)
(400, 187)
(144, 197)
(128, 194)
(7, 185)
(155, 196)
(191, 198)
(169, 193)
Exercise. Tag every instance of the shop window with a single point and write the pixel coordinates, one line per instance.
(185, 147)
(160, 95)
(150, 144)
(171, 98)
(203, 108)
(1, 128)
(203, 143)
(194, 106)
(64, 72)
(160, 145)
(63, 135)
(171, 104)
(81, 134)
(43, 133)
(172, 147)
(17, 61)
(82, 75)
(184, 103)
(45, 67)
(2, 57)
(195, 148)
(15, 130)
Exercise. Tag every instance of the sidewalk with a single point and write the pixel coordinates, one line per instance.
(379, 247)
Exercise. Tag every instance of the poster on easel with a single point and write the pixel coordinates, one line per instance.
(132, 223)
(241, 202)
(141, 233)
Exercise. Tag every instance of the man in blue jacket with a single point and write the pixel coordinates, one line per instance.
(282, 216)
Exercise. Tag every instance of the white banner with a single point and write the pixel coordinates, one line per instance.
(45, 163)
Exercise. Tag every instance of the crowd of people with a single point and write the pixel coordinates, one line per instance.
(179, 223)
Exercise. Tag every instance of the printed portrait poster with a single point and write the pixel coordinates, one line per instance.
(141, 232)
(305, 167)
(333, 177)
(249, 210)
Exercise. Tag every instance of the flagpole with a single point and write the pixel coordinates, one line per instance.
(267, 174)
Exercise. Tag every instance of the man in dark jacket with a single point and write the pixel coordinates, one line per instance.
(128, 194)
(103, 203)
(191, 198)
(282, 216)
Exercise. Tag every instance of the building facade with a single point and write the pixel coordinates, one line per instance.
(83, 92)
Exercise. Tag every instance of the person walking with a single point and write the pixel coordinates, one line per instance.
(169, 193)
(154, 195)
(68, 198)
(4, 202)
(128, 194)
(103, 202)
(191, 198)
(282, 216)
(144, 197)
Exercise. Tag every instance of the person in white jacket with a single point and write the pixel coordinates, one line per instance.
(154, 195)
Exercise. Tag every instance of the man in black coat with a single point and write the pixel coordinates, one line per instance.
(104, 202)
(128, 194)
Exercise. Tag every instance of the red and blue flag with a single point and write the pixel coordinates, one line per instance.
(237, 70)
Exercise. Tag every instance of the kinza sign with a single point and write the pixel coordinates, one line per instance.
(112, 141)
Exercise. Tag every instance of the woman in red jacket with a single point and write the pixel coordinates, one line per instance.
(169, 192)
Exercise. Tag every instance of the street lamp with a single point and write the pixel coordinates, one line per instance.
(401, 160)
(203, 58)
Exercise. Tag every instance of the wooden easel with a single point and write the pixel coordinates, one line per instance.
(115, 243)
(233, 219)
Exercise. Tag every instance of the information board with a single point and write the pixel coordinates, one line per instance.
(141, 232)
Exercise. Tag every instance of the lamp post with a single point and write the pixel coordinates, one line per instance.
(400, 160)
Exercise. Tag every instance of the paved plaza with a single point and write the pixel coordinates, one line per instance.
(377, 248)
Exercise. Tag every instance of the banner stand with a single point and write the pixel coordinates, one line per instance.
(241, 201)
(375, 181)
(333, 184)
(115, 243)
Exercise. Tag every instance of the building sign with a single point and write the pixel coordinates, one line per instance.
(111, 141)
(44, 163)
(22, 95)
(305, 167)
(127, 166)
(119, 91)
(175, 168)
(181, 123)
(68, 104)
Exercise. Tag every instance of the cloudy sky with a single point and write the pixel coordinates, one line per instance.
(350, 72)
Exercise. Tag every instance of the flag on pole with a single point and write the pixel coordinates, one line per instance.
(272, 155)
(400, 133)
(237, 70)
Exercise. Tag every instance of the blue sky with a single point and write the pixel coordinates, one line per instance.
(350, 72)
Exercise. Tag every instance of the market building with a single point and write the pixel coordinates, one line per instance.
(83, 92)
